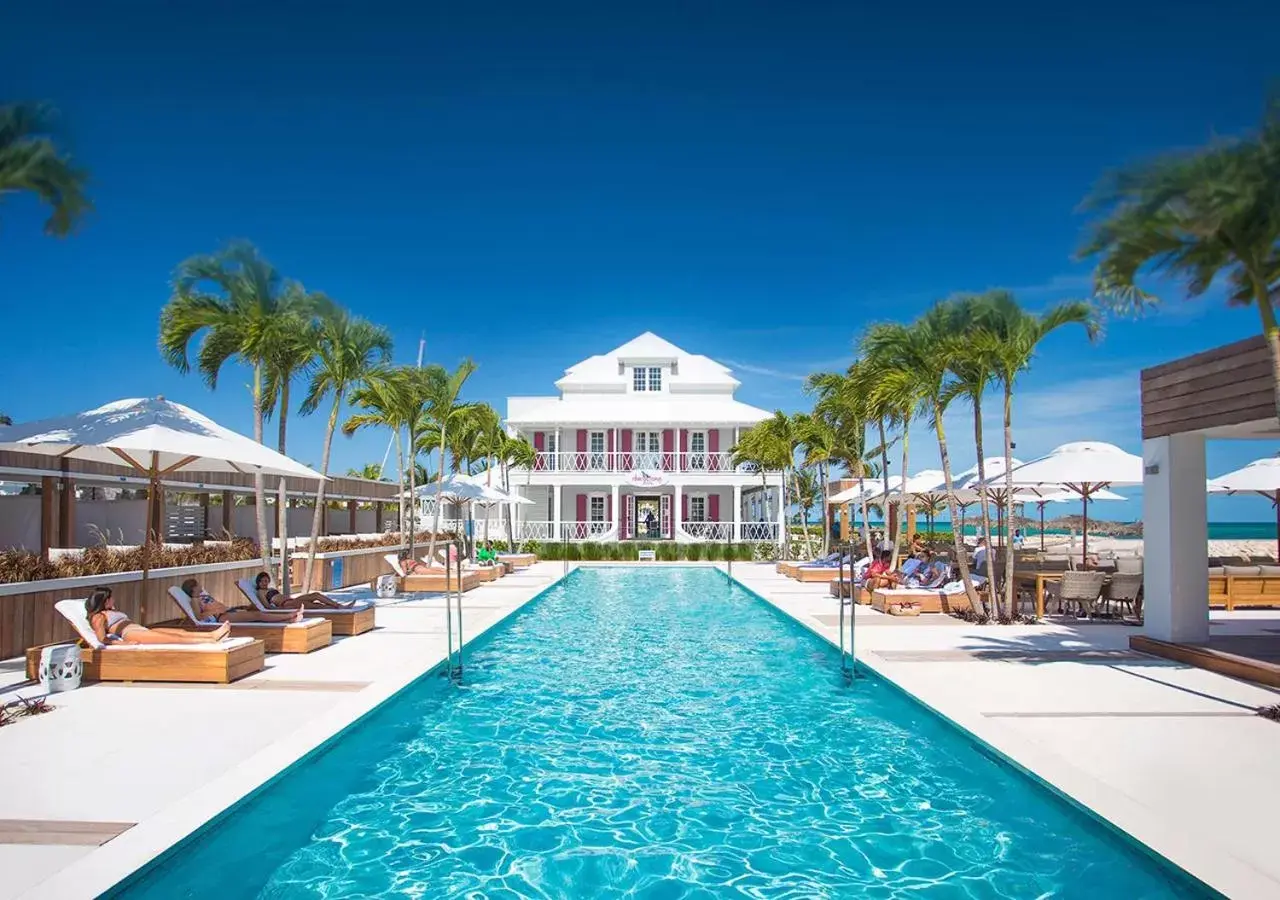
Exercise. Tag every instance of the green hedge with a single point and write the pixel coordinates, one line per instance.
(667, 551)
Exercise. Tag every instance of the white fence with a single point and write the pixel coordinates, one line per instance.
(631, 461)
(717, 532)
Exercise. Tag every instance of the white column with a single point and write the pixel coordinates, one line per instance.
(676, 506)
(1175, 539)
(616, 513)
(556, 533)
(737, 513)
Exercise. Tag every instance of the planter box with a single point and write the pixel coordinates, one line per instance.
(342, 568)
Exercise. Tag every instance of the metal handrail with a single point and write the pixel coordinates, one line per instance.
(849, 669)
(451, 584)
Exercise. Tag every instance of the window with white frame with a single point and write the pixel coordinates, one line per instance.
(597, 450)
(655, 378)
(697, 508)
(648, 450)
(639, 378)
(553, 445)
(698, 450)
(597, 508)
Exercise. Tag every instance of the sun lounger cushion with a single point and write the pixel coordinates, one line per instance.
(246, 588)
(1240, 570)
(1273, 571)
(393, 560)
(74, 611)
(180, 597)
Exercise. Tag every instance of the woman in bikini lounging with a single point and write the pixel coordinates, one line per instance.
(111, 625)
(269, 596)
(210, 612)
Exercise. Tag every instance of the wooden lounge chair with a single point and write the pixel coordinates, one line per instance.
(486, 573)
(929, 601)
(358, 619)
(278, 637)
(517, 560)
(434, 581)
(218, 663)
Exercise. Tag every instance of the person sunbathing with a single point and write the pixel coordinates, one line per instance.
(113, 626)
(210, 612)
(932, 573)
(269, 596)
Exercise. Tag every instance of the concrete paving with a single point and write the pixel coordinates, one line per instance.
(1173, 755)
(162, 756)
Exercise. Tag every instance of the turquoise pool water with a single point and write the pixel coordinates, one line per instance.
(655, 733)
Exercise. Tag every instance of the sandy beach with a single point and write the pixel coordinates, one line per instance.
(1220, 547)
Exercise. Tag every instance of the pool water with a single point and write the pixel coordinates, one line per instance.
(655, 733)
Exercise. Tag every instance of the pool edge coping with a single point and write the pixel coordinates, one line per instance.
(111, 866)
(1219, 871)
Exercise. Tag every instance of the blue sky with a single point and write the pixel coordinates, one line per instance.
(531, 184)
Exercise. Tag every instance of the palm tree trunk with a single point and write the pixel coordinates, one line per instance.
(866, 525)
(259, 486)
(902, 495)
(826, 510)
(1008, 490)
(982, 500)
(962, 559)
(282, 502)
(413, 495)
(400, 479)
(308, 580)
(1271, 332)
(435, 525)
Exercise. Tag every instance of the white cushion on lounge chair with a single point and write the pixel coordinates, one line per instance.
(74, 611)
(180, 596)
(246, 588)
(393, 560)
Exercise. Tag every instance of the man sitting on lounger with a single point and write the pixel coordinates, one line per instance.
(210, 612)
(486, 556)
(878, 573)
(269, 596)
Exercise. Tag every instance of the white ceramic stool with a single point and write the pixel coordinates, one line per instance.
(386, 586)
(60, 668)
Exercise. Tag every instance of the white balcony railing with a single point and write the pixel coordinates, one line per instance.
(720, 462)
(757, 531)
(708, 531)
(535, 531)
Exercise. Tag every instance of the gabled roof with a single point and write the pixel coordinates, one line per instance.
(691, 369)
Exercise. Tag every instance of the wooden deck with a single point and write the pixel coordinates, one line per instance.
(1253, 658)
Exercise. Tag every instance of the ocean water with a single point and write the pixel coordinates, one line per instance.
(655, 733)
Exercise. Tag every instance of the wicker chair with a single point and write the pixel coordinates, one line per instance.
(1129, 565)
(1124, 589)
(1082, 589)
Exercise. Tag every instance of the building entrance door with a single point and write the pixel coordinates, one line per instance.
(648, 523)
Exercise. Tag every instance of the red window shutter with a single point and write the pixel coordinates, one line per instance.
(540, 441)
(582, 506)
(684, 449)
(668, 447)
(609, 439)
(626, 449)
(684, 507)
(608, 508)
(582, 440)
(713, 507)
(713, 450)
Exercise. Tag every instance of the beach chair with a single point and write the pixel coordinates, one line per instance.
(486, 573)
(311, 633)
(218, 663)
(355, 619)
(517, 560)
(1081, 589)
(1124, 589)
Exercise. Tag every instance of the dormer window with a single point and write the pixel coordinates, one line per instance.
(646, 378)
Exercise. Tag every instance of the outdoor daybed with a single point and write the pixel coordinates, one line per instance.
(434, 581)
(278, 637)
(929, 601)
(218, 663)
(517, 560)
(357, 619)
(1232, 586)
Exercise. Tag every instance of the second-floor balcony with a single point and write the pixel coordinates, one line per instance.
(720, 462)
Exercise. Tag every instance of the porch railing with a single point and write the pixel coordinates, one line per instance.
(585, 531)
(720, 462)
(718, 532)
(757, 531)
(535, 531)
(708, 531)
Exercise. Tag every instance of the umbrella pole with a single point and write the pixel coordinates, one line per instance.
(1275, 501)
(1084, 554)
(153, 491)
(282, 517)
(1041, 505)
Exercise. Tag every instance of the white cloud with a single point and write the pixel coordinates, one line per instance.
(762, 370)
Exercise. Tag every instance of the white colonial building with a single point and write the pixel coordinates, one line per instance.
(636, 446)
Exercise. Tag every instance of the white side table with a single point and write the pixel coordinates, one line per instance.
(60, 668)
(386, 586)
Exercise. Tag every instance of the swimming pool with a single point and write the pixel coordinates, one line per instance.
(655, 733)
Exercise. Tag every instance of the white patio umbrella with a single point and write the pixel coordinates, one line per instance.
(1262, 477)
(1082, 467)
(155, 437)
(870, 487)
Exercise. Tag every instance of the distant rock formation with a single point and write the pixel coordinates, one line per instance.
(1096, 526)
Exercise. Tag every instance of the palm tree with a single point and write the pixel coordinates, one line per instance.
(5, 420)
(765, 446)
(293, 352)
(31, 162)
(1196, 216)
(807, 485)
(369, 471)
(441, 408)
(519, 453)
(972, 370)
(1009, 335)
(877, 408)
(841, 404)
(912, 365)
(347, 351)
(243, 308)
(381, 399)
(820, 442)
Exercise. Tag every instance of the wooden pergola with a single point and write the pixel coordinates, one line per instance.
(58, 478)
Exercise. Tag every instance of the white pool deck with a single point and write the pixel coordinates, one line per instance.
(1170, 754)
